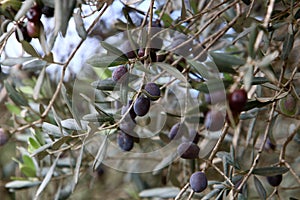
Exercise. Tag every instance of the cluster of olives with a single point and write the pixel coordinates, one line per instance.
(140, 107)
(31, 29)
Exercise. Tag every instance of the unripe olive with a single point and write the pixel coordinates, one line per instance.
(288, 105)
(274, 180)
(119, 73)
(188, 150)
(125, 141)
(152, 91)
(214, 120)
(237, 100)
(198, 181)
(178, 130)
(141, 106)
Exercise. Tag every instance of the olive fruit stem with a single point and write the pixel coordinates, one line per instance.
(182, 191)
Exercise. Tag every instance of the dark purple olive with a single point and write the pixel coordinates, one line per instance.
(119, 73)
(125, 141)
(24, 32)
(178, 130)
(237, 100)
(188, 150)
(198, 181)
(141, 106)
(33, 29)
(153, 91)
(274, 180)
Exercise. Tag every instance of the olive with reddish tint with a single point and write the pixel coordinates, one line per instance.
(188, 150)
(119, 73)
(141, 106)
(177, 130)
(237, 100)
(274, 180)
(33, 29)
(198, 181)
(214, 120)
(125, 141)
(34, 14)
(153, 91)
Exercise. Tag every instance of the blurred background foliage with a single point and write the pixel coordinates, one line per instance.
(253, 45)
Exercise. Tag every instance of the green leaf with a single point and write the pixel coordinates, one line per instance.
(79, 24)
(225, 61)
(29, 49)
(248, 77)
(15, 96)
(13, 108)
(270, 171)
(111, 49)
(28, 171)
(32, 145)
(58, 143)
(105, 85)
(17, 185)
(287, 46)
(15, 61)
(183, 10)
(162, 192)
(104, 61)
(23, 10)
(200, 68)
(38, 85)
(67, 99)
(47, 178)
(171, 70)
(34, 65)
(255, 104)
(62, 14)
(260, 188)
(101, 153)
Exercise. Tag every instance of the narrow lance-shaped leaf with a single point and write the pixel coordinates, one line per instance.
(29, 49)
(79, 25)
(69, 104)
(270, 171)
(47, 178)
(15, 96)
(101, 153)
(287, 46)
(104, 61)
(38, 85)
(260, 188)
(78, 164)
(171, 70)
(111, 49)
